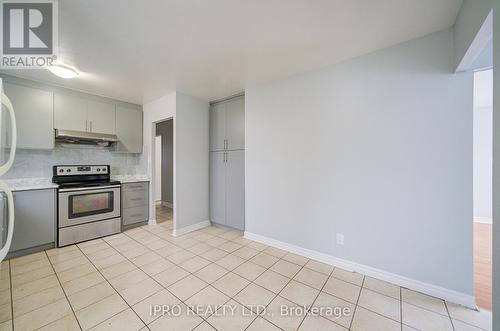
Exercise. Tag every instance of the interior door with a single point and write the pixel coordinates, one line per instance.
(101, 117)
(218, 187)
(235, 189)
(235, 123)
(217, 126)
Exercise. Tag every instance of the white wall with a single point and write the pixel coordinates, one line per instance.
(154, 112)
(483, 139)
(378, 148)
(191, 161)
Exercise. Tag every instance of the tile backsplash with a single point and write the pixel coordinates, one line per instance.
(38, 163)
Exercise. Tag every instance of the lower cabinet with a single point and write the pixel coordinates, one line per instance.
(227, 188)
(135, 204)
(35, 221)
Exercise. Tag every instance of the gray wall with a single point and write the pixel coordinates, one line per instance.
(166, 131)
(496, 170)
(378, 148)
(191, 160)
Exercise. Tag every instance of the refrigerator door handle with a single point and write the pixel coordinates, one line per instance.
(10, 227)
(13, 142)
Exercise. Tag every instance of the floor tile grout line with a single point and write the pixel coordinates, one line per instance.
(269, 268)
(449, 316)
(110, 295)
(242, 245)
(204, 319)
(189, 272)
(65, 296)
(36, 292)
(401, 306)
(165, 288)
(317, 296)
(357, 302)
(275, 294)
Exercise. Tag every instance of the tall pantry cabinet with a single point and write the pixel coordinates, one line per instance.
(227, 163)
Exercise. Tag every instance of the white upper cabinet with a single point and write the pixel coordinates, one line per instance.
(128, 130)
(34, 116)
(70, 113)
(101, 117)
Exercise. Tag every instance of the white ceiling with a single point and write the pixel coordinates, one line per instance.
(140, 50)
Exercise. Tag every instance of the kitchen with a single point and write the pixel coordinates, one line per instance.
(58, 126)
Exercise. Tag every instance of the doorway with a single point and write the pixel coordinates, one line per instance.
(164, 172)
(482, 186)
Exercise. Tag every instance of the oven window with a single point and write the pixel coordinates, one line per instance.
(87, 204)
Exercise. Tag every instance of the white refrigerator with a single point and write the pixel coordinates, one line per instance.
(8, 135)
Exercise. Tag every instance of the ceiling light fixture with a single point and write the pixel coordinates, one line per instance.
(63, 70)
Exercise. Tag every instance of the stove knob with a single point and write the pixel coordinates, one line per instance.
(61, 170)
(104, 169)
(68, 170)
(98, 169)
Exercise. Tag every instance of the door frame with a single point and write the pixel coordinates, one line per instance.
(152, 171)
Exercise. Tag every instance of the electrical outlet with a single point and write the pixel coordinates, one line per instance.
(340, 239)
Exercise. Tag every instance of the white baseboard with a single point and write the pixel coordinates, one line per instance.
(412, 284)
(167, 204)
(190, 228)
(151, 221)
(483, 220)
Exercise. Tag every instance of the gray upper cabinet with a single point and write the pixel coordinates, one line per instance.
(70, 113)
(235, 123)
(128, 130)
(227, 125)
(217, 126)
(79, 114)
(101, 117)
(34, 116)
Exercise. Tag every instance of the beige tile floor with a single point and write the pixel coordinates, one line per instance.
(112, 283)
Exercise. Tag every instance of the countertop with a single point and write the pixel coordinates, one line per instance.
(25, 184)
(130, 178)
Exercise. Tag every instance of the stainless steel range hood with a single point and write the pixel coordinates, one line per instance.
(87, 138)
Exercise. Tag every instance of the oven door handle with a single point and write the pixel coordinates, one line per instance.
(94, 188)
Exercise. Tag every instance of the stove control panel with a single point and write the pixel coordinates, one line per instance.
(81, 170)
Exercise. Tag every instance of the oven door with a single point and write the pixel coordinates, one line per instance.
(90, 204)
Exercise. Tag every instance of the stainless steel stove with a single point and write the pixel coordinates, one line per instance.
(88, 203)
